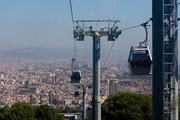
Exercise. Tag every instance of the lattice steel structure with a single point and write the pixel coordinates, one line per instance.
(165, 60)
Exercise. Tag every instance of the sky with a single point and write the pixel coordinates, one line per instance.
(48, 23)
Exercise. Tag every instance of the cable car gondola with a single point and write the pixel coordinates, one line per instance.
(76, 74)
(140, 59)
(76, 77)
(76, 93)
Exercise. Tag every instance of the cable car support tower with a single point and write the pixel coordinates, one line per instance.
(165, 60)
(112, 33)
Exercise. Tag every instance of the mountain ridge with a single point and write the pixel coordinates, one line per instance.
(37, 52)
(45, 52)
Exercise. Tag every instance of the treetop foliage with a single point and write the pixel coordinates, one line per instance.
(127, 106)
(24, 111)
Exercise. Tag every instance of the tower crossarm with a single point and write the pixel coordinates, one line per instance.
(111, 32)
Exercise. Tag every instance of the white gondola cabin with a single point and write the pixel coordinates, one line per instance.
(140, 60)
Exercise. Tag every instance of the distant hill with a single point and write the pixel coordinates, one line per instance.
(43, 52)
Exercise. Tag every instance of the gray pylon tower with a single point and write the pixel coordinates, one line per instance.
(165, 60)
(112, 33)
(84, 102)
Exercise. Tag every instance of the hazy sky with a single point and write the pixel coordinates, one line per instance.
(47, 23)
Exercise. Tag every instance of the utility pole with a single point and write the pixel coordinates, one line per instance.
(112, 33)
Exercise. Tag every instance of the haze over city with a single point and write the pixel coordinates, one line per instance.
(45, 23)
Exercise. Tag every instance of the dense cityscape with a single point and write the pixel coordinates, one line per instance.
(47, 81)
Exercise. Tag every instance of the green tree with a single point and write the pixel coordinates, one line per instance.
(24, 111)
(44, 112)
(127, 106)
(21, 111)
(4, 113)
